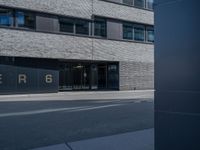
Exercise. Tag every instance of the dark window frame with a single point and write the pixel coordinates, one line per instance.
(139, 6)
(100, 20)
(130, 26)
(15, 21)
(60, 19)
(133, 4)
(11, 15)
(28, 12)
(90, 32)
(150, 28)
(147, 6)
(78, 23)
(139, 27)
(128, 2)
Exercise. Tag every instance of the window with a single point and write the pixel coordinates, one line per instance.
(127, 31)
(149, 4)
(139, 33)
(100, 27)
(113, 76)
(82, 27)
(139, 3)
(128, 2)
(6, 17)
(66, 25)
(150, 34)
(25, 20)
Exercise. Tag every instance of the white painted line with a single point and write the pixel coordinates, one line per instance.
(71, 109)
(34, 112)
(97, 107)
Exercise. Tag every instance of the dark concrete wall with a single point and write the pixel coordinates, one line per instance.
(177, 75)
(26, 75)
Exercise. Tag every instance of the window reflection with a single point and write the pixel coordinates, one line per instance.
(82, 27)
(100, 27)
(66, 25)
(149, 4)
(6, 17)
(139, 34)
(150, 35)
(25, 20)
(128, 2)
(139, 3)
(127, 31)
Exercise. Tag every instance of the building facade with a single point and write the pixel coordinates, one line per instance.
(50, 46)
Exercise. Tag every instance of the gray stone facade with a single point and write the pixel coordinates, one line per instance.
(136, 59)
(84, 9)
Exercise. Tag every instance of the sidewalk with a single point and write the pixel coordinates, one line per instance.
(139, 140)
(83, 95)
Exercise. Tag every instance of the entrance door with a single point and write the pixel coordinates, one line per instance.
(81, 76)
(86, 77)
(77, 76)
(94, 77)
(102, 76)
(65, 77)
(113, 76)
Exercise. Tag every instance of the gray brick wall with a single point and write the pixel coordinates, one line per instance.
(35, 44)
(136, 75)
(112, 10)
(122, 51)
(84, 9)
(77, 8)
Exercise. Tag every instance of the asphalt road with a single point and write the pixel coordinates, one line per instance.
(30, 124)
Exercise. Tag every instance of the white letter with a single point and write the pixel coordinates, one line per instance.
(1, 79)
(49, 78)
(22, 77)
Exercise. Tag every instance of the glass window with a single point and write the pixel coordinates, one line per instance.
(25, 20)
(149, 4)
(100, 27)
(6, 17)
(66, 25)
(82, 27)
(150, 35)
(113, 76)
(127, 31)
(128, 2)
(139, 3)
(139, 33)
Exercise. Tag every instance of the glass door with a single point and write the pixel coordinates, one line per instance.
(81, 76)
(113, 76)
(65, 77)
(86, 77)
(94, 77)
(102, 76)
(77, 76)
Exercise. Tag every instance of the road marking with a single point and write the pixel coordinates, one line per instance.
(71, 109)
(34, 112)
(97, 107)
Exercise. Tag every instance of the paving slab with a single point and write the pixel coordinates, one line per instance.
(54, 147)
(139, 140)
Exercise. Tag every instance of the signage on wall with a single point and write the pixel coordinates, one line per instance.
(22, 78)
(17, 79)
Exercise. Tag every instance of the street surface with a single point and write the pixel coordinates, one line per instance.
(28, 122)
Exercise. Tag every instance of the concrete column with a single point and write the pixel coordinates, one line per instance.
(177, 75)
